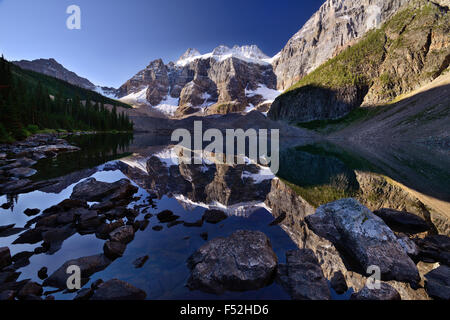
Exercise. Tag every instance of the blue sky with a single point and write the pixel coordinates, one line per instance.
(119, 38)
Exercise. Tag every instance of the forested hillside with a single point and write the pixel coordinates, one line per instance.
(30, 101)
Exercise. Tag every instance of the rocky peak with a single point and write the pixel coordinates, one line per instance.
(190, 53)
(52, 68)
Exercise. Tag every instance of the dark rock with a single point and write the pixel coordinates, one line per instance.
(338, 283)
(7, 205)
(8, 276)
(355, 230)
(124, 234)
(386, 292)
(5, 257)
(93, 190)
(66, 205)
(214, 216)
(402, 221)
(243, 261)
(96, 284)
(139, 262)
(88, 266)
(204, 235)
(14, 187)
(54, 238)
(31, 212)
(66, 218)
(105, 229)
(49, 298)
(30, 289)
(84, 294)
(148, 216)
(9, 230)
(157, 228)
(437, 283)
(302, 276)
(278, 219)
(434, 248)
(166, 216)
(118, 290)
(7, 295)
(114, 249)
(174, 223)
(197, 223)
(42, 273)
(31, 236)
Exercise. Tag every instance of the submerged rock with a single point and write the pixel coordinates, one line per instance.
(166, 216)
(385, 292)
(302, 276)
(437, 283)
(365, 237)
(118, 290)
(243, 261)
(139, 262)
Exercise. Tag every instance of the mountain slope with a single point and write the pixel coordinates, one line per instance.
(337, 24)
(225, 80)
(409, 50)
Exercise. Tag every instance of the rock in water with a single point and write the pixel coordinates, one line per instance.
(365, 237)
(88, 266)
(118, 290)
(243, 261)
(385, 292)
(93, 190)
(302, 276)
(214, 216)
(437, 283)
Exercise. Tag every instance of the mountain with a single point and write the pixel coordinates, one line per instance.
(224, 80)
(337, 24)
(409, 50)
(51, 67)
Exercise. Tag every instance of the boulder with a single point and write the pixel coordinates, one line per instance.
(402, 221)
(88, 266)
(114, 249)
(31, 212)
(302, 276)
(243, 261)
(42, 273)
(166, 216)
(437, 283)
(7, 295)
(5, 257)
(124, 234)
(385, 292)
(214, 216)
(118, 290)
(30, 289)
(356, 231)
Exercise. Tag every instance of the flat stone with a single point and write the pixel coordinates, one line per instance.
(22, 172)
(118, 290)
(243, 261)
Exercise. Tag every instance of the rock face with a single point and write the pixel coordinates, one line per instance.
(302, 276)
(365, 237)
(118, 290)
(373, 71)
(52, 68)
(243, 261)
(225, 76)
(385, 292)
(335, 25)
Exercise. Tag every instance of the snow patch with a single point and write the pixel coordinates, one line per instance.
(139, 97)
